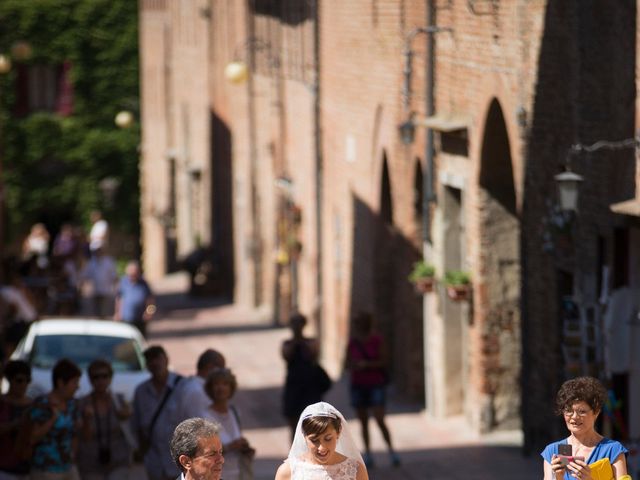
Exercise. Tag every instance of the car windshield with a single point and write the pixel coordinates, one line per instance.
(125, 354)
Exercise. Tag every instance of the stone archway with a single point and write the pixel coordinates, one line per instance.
(498, 284)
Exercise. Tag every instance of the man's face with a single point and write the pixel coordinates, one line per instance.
(207, 464)
(158, 366)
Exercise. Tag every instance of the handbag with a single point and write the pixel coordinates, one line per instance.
(245, 464)
(245, 461)
(321, 378)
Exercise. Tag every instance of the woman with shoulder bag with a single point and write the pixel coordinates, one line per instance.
(105, 450)
(220, 385)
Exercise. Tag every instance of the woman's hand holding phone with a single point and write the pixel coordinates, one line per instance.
(578, 468)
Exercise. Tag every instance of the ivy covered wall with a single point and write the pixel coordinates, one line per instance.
(53, 159)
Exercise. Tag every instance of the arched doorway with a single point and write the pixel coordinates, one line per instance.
(498, 313)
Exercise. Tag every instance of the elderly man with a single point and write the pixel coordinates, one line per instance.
(197, 450)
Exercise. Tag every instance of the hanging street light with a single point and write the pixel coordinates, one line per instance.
(568, 183)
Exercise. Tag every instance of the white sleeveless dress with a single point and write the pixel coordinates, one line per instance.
(345, 470)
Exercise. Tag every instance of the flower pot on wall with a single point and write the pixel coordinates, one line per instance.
(459, 293)
(424, 285)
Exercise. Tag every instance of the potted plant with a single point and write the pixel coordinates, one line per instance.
(422, 276)
(458, 284)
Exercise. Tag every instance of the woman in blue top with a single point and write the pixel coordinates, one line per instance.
(580, 401)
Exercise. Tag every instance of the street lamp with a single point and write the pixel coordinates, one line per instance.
(568, 182)
(124, 119)
(237, 72)
(5, 64)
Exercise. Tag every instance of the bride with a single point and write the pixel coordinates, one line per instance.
(322, 448)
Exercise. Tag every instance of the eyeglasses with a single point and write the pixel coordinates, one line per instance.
(100, 376)
(580, 413)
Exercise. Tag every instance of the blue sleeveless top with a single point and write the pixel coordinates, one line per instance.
(607, 448)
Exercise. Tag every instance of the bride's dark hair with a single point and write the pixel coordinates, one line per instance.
(317, 425)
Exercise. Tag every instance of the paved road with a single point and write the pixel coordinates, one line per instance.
(429, 450)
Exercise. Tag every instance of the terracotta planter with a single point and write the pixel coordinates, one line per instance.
(424, 285)
(459, 293)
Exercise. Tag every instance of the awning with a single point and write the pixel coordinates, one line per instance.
(444, 122)
(628, 207)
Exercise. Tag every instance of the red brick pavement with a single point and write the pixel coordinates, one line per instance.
(430, 450)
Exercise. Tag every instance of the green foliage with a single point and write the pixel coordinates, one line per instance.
(52, 165)
(457, 277)
(421, 270)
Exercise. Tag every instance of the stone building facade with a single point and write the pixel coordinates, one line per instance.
(299, 180)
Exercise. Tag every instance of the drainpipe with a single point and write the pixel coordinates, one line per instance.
(317, 134)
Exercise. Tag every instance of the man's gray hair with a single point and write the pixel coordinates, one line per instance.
(187, 435)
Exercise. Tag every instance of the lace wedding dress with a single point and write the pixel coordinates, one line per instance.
(345, 470)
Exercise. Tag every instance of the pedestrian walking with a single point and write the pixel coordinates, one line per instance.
(106, 449)
(14, 427)
(101, 275)
(221, 385)
(55, 426)
(135, 302)
(585, 453)
(322, 448)
(99, 232)
(196, 450)
(193, 397)
(35, 248)
(155, 414)
(305, 383)
(366, 359)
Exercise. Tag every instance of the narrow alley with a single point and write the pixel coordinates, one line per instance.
(429, 450)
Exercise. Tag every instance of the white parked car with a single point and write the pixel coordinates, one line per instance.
(83, 340)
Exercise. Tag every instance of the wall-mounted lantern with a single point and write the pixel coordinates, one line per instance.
(568, 187)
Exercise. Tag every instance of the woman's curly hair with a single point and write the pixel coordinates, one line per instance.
(581, 389)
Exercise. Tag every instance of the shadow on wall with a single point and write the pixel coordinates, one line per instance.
(583, 93)
(222, 203)
(382, 260)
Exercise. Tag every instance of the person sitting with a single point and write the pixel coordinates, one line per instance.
(580, 402)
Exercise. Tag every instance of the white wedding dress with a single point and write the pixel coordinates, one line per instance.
(345, 470)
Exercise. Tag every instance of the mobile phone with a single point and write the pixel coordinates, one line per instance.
(565, 450)
(564, 453)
